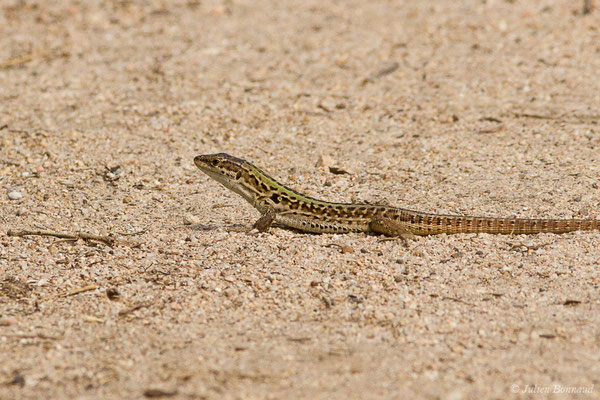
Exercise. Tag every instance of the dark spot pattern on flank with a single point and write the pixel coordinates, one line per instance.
(305, 207)
(253, 180)
(331, 211)
(275, 198)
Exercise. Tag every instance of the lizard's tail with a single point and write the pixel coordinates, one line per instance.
(435, 224)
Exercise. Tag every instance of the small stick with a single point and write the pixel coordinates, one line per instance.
(80, 290)
(132, 233)
(23, 59)
(535, 116)
(386, 70)
(134, 308)
(64, 235)
(31, 336)
(457, 300)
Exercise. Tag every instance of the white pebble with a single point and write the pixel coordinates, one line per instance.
(15, 195)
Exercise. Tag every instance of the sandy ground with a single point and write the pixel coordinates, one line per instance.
(471, 107)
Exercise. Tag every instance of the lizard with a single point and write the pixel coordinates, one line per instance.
(285, 206)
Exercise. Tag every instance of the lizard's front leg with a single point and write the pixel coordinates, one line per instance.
(265, 221)
(389, 227)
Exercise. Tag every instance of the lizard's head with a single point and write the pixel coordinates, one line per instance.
(221, 167)
(236, 174)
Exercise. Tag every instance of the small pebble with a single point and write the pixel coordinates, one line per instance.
(8, 321)
(189, 219)
(15, 195)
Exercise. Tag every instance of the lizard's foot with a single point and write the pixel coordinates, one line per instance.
(389, 227)
(265, 221)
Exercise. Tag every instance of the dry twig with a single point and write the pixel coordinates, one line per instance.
(385, 70)
(64, 235)
(31, 336)
(79, 290)
(535, 116)
(23, 59)
(135, 307)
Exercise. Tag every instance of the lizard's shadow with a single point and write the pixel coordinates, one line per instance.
(241, 228)
(228, 228)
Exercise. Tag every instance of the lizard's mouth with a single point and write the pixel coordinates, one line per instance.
(216, 175)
